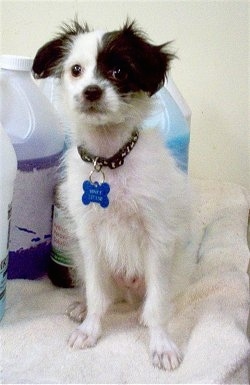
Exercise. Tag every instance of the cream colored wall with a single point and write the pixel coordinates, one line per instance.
(212, 41)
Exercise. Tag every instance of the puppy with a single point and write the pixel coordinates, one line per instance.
(128, 202)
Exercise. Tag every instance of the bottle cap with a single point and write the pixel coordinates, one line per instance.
(18, 63)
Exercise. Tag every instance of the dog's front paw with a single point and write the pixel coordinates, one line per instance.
(165, 354)
(77, 311)
(87, 334)
(167, 359)
(80, 340)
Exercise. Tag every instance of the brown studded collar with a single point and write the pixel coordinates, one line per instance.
(114, 161)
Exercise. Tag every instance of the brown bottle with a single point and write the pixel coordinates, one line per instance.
(61, 269)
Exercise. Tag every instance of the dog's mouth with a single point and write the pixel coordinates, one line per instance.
(92, 108)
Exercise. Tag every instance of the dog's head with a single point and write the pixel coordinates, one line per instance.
(105, 75)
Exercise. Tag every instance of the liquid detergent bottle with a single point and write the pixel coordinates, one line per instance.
(8, 167)
(61, 270)
(34, 129)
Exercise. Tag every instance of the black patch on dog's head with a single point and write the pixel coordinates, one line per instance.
(131, 63)
(49, 58)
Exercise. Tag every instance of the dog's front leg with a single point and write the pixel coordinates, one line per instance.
(157, 307)
(98, 299)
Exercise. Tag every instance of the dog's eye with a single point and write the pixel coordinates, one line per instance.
(118, 74)
(76, 70)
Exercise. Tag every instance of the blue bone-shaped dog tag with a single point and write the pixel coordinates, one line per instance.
(95, 193)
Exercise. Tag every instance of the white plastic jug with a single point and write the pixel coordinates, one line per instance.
(38, 140)
(8, 167)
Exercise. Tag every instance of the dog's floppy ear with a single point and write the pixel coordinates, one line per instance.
(155, 68)
(152, 62)
(47, 59)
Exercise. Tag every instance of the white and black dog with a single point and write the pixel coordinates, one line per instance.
(128, 202)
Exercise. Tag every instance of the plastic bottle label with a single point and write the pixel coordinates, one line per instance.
(3, 277)
(61, 240)
(3, 269)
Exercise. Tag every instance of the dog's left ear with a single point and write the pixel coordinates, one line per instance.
(152, 62)
(156, 67)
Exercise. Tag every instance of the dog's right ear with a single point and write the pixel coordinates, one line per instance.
(48, 59)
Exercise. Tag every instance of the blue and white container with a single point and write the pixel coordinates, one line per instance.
(8, 167)
(38, 140)
(172, 116)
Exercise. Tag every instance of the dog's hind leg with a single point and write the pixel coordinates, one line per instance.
(77, 311)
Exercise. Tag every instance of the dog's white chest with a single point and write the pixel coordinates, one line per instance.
(119, 236)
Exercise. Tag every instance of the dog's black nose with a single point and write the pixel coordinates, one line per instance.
(92, 93)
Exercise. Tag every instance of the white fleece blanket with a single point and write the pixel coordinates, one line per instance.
(209, 323)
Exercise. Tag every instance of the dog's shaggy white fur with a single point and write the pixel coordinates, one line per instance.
(139, 243)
